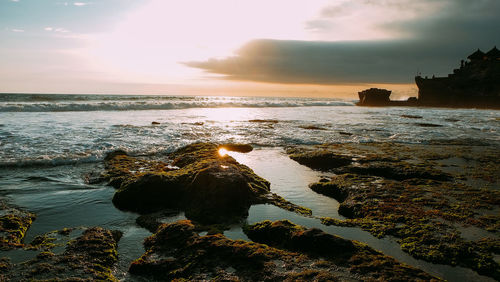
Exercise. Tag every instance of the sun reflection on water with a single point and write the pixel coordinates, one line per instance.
(223, 152)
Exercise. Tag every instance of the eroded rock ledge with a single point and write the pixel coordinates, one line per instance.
(176, 251)
(89, 257)
(428, 196)
(359, 258)
(207, 186)
(13, 226)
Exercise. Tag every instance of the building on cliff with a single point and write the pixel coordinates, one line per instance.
(475, 84)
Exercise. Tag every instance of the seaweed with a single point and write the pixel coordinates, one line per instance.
(421, 195)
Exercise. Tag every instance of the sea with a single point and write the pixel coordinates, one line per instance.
(49, 142)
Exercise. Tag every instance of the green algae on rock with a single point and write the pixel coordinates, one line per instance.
(176, 251)
(329, 189)
(319, 159)
(358, 257)
(13, 226)
(89, 257)
(50, 240)
(424, 195)
(207, 186)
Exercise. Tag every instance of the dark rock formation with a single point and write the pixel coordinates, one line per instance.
(210, 188)
(176, 251)
(312, 127)
(318, 159)
(237, 147)
(374, 97)
(423, 195)
(397, 170)
(89, 257)
(475, 84)
(412, 116)
(358, 257)
(13, 226)
(329, 189)
(264, 120)
(380, 97)
(425, 124)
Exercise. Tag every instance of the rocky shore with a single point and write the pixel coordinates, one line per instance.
(282, 252)
(425, 196)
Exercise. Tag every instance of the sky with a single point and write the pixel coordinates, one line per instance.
(321, 48)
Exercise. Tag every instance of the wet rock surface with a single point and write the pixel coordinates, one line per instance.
(13, 226)
(176, 251)
(318, 159)
(207, 186)
(89, 257)
(237, 147)
(357, 257)
(424, 195)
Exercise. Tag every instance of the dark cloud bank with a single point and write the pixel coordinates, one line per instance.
(435, 45)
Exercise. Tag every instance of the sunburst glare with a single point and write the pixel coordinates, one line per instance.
(223, 152)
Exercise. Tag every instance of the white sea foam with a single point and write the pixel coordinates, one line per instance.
(67, 103)
(32, 137)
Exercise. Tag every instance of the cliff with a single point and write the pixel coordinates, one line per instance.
(475, 84)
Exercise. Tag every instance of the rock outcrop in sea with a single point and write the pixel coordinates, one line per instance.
(475, 84)
(374, 96)
(208, 186)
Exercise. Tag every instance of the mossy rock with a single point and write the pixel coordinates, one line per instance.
(358, 257)
(210, 188)
(422, 195)
(329, 189)
(176, 251)
(13, 226)
(319, 159)
(90, 257)
(398, 171)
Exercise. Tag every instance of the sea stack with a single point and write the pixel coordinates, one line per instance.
(374, 97)
(380, 97)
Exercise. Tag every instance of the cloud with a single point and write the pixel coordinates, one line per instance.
(79, 4)
(17, 30)
(62, 30)
(431, 43)
(306, 62)
(54, 29)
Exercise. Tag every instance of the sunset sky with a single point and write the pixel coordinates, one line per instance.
(229, 47)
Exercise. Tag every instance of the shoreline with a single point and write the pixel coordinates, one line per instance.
(324, 227)
(403, 103)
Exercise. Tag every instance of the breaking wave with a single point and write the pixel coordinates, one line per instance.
(81, 103)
